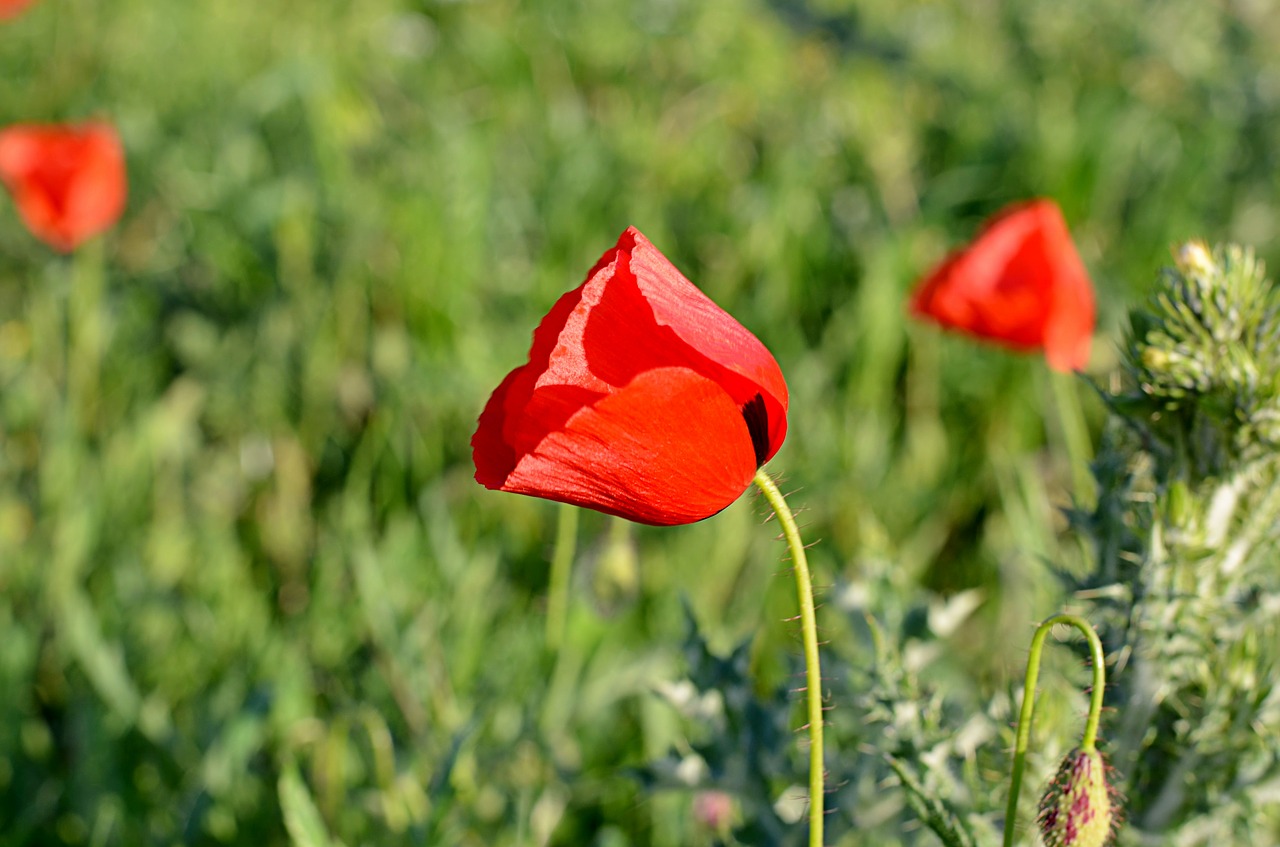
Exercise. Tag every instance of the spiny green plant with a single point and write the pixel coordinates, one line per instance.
(1185, 588)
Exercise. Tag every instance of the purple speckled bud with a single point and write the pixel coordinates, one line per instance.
(1077, 810)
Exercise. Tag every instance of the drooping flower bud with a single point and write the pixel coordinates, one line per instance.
(1077, 809)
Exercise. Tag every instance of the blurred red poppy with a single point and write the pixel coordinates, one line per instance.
(12, 8)
(641, 398)
(1020, 283)
(68, 182)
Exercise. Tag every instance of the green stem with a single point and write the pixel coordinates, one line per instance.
(561, 568)
(1075, 432)
(1025, 717)
(809, 635)
(87, 331)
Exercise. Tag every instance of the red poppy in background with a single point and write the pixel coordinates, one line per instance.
(641, 398)
(1020, 283)
(68, 182)
(12, 8)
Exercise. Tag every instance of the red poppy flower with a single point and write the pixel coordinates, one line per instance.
(68, 182)
(1020, 284)
(12, 8)
(641, 398)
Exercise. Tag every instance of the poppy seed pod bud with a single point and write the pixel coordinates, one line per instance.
(1077, 808)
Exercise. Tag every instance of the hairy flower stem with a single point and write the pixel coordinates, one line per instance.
(809, 634)
(1087, 743)
(561, 567)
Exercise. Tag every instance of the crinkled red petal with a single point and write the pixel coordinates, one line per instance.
(635, 316)
(714, 333)
(668, 448)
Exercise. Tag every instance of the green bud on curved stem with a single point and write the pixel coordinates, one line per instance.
(1087, 742)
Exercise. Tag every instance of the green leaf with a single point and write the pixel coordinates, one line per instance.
(301, 817)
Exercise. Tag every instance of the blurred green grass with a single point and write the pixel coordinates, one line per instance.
(248, 590)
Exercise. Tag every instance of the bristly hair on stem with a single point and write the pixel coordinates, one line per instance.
(813, 671)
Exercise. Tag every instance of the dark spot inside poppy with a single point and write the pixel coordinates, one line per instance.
(757, 418)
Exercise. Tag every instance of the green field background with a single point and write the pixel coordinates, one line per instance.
(249, 591)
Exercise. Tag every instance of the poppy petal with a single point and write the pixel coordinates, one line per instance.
(670, 448)
(68, 182)
(704, 326)
(12, 8)
(1068, 335)
(641, 398)
(639, 312)
(1021, 283)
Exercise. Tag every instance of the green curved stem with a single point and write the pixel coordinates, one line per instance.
(809, 635)
(1087, 742)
